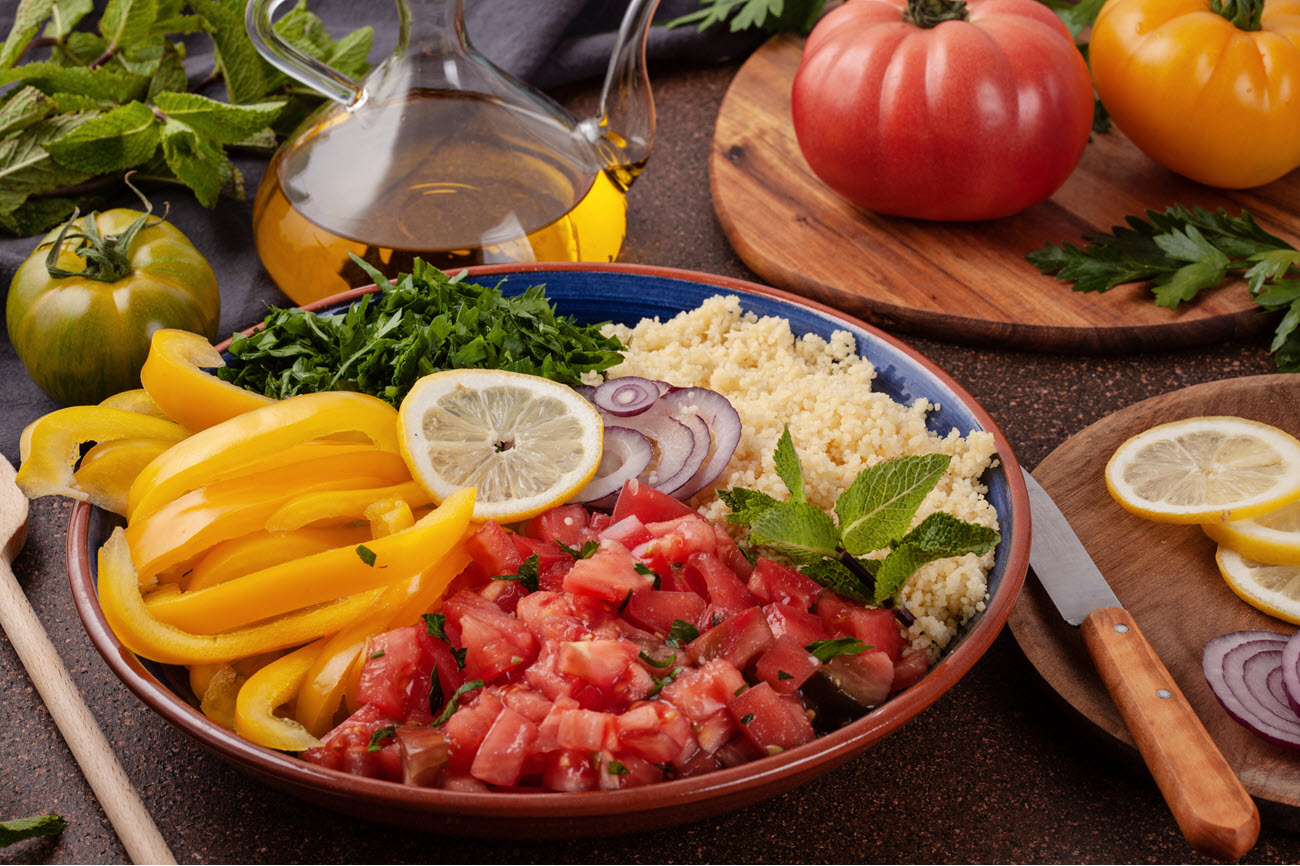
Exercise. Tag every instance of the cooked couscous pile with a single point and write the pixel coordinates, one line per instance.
(839, 427)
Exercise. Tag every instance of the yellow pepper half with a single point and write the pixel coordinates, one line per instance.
(266, 690)
(258, 550)
(173, 376)
(51, 445)
(317, 579)
(108, 469)
(224, 448)
(141, 633)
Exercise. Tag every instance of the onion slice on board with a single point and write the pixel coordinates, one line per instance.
(1291, 671)
(626, 455)
(1240, 682)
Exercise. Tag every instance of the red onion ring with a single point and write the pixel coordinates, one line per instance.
(1237, 667)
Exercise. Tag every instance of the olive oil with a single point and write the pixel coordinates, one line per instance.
(454, 178)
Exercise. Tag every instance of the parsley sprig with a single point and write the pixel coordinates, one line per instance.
(874, 513)
(774, 16)
(1182, 252)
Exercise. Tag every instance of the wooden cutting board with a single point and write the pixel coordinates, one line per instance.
(965, 282)
(1165, 576)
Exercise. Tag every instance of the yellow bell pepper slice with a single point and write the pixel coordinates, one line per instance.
(256, 435)
(388, 516)
(324, 577)
(144, 635)
(322, 687)
(268, 689)
(51, 445)
(258, 550)
(341, 505)
(136, 400)
(173, 376)
(193, 522)
(109, 467)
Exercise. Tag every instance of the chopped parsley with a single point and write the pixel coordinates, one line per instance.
(377, 654)
(435, 625)
(655, 663)
(588, 548)
(529, 574)
(747, 718)
(825, 650)
(366, 555)
(452, 705)
(614, 768)
(681, 633)
(377, 738)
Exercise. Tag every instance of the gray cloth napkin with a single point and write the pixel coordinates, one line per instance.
(546, 42)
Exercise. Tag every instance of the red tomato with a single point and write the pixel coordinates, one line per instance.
(978, 117)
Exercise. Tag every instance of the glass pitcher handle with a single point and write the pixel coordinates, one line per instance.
(292, 61)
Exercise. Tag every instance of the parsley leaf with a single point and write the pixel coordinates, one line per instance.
(681, 633)
(366, 555)
(773, 16)
(529, 574)
(378, 737)
(450, 709)
(825, 650)
(588, 548)
(435, 625)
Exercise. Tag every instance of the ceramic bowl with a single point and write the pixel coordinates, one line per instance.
(622, 293)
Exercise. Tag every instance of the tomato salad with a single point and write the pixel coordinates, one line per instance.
(594, 651)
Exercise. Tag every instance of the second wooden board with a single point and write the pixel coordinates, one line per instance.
(965, 282)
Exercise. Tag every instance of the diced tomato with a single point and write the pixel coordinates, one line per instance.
(468, 726)
(656, 609)
(609, 573)
(450, 676)
(738, 640)
(729, 552)
(395, 665)
(493, 550)
(875, 626)
(629, 532)
(588, 730)
(656, 731)
(909, 669)
(505, 594)
(774, 582)
(802, 626)
(599, 521)
(771, 720)
(530, 704)
(633, 771)
(786, 665)
(347, 747)
(494, 641)
(500, 757)
(648, 504)
(570, 770)
(726, 591)
(550, 616)
(568, 524)
(548, 553)
(868, 678)
(601, 663)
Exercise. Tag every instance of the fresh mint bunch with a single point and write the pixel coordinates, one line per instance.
(102, 101)
(873, 514)
(1182, 252)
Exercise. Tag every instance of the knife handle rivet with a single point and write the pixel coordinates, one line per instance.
(1121, 628)
(1164, 693)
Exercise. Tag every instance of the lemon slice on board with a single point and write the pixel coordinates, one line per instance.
(1205, 470)
(525, 442)
(1273, 537)
(1274, 589)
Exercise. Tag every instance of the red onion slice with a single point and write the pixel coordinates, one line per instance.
(626, 455)
(1291, 671)
(626, 395)
(724, 426)
(1241, 683)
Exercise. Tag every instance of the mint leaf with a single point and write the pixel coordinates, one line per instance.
(116, 140)
(833, 574)
(27, 168)
(104, 84)
(23, 108)
(248, 78)
(169, 75)
(27, 21)
(197, 161)
(825, 650)
(65, 15)
(29, 828)
(218, 121)
(36, 215)
(788, 467)
(745, 504)
(349, 54)
(127, 22)
(879, 505)
(939, 536)
(798, 530)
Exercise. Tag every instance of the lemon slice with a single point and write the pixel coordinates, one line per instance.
(525, 442)
(1273, 537)
(1206, 470)
(1274, 589)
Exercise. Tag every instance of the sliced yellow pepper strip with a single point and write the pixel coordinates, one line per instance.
(324, 577)
(136, 400)
(51, 445)
(109, 467)
(388, 516)
(142, 634)
(218, 701)
(173, 377)
(255, 435)
(401, 604)
(310, 451)
(341, 505)
(269, 688)
(258, 550)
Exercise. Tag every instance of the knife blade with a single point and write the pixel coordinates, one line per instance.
(1213, 810)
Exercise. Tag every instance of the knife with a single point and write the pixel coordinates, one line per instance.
(1212, 809)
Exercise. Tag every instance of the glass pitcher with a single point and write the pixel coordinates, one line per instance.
(439, 154)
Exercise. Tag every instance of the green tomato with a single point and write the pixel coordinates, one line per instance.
(81, 320)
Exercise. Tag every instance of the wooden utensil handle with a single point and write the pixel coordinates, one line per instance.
(1207, 799)
(117, 796)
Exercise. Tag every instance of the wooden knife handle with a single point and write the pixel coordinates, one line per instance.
(1207, 799)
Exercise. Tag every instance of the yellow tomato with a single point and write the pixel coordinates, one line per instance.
(1203, 94)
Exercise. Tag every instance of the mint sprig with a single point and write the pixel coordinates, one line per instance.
(874, 513)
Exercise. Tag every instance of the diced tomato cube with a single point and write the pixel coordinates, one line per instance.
(656, 731)
(505, 594)
(395, 661)
(601, 663)
(868, 677)
(530, 704)
(875, 626)
(774, 582)
(568, 524)
(585, 729)
(803, 627)
(725, 591)
(548, 553)
(771, 721)
(570, 770)
(493, 550)
(656, 609)
(786, 665)
(495, 645)
(629, 532)
(738, 640)
(504, 749)
(549, 616)
(468, 726)
(633, 771)
(648, 504)
(740, 749)
(552, 577)
(347, 747)
(609, 574)
(909, 669)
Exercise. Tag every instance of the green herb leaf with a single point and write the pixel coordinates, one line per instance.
(116, 140)
(833, 574)
(27, 168)
(782, 675)
(435, 625)
(615, 768)
(377, 654)
(588, 548)
(222, 123)
(681, 633)
(746, 718)
(197, 162)
(660, 682)
(825, 650)
(24, 107)
(879, 505)
(1077, 17)
(450, 709)
(127, 22)
(366, 555)
(655, 663)
(642, 568)
(27, 22)
(939, 536)
(29, 828)
(104, 84)
(65, 15)
(248, 78)
(378, 737)
(788, 467)
(774, 16)
(746, 504)
(528, 575)
(798, 530)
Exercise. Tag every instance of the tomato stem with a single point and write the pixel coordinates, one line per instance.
(108, 259)
(1244, 14)
(931, 13)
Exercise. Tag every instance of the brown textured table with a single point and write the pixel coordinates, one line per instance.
(994, 772)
